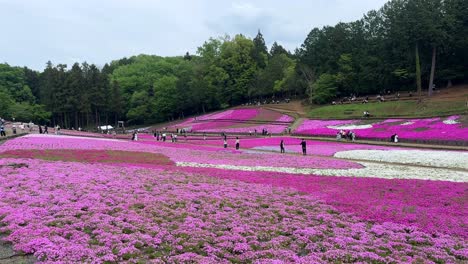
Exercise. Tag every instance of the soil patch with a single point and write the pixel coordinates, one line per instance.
(420, 129)
(91, 156)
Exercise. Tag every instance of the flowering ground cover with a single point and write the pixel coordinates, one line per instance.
(71, 212)
(71, 199)
(353, 151)
(292, 145)
(432, 206)
(181, 153)
(449, 128)
(242, 120)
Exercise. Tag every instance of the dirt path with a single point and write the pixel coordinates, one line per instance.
(9, 256)
(297, 123)
(294, 108)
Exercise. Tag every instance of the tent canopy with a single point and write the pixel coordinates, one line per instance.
(108, 127)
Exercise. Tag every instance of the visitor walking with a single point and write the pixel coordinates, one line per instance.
(14, 129)
(282, 146)
(338, 135)
(304, 147)
(225, 143)
(46, 130)
(2, 131)
(237, 143)
(40, 129)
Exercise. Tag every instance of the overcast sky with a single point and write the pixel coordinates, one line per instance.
(99, 31)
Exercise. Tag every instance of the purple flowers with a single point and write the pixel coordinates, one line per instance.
(73, 212)
(69, 199)
(423, 129)
(242, 120)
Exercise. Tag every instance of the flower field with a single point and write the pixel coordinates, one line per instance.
(450, 128)
(70, 199)
(243, 120)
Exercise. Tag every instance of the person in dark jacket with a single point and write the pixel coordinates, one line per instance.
(282, 146)
(304, 147)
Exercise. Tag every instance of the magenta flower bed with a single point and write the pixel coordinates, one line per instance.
(314, 147)
(231, 121)
(432, 206)
(207, 122)
(178, 152)
(67, 212)
(271, 128)
(422, 129)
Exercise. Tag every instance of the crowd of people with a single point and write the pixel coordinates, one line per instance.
(349, 135)
(381, 97)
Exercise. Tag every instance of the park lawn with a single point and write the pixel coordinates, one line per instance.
(390, 109)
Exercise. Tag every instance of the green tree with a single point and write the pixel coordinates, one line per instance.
(324, 89)
(259, 51)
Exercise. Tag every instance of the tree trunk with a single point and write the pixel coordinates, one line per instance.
(418, 72)
(96, 114)
(431, 79)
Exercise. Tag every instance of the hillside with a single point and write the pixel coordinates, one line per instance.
(443, 103)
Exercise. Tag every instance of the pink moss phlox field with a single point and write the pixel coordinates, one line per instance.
(69, 212)
(432, 206)
(271, 128)
(232, 121)
(209, 121)
(314, 147)
(178, 153)
(423, 129)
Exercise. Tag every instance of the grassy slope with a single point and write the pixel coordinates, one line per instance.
(450, 101)
(390, 109)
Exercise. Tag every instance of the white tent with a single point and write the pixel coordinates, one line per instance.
(108, 127)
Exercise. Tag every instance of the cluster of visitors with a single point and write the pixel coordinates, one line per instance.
(57, 130)
(43, 131)
(366, 114)
(160, 136)
(225, 142)
(135, 135)
(269, 101)
(2, 127)
(349, 135)
(394, 138)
